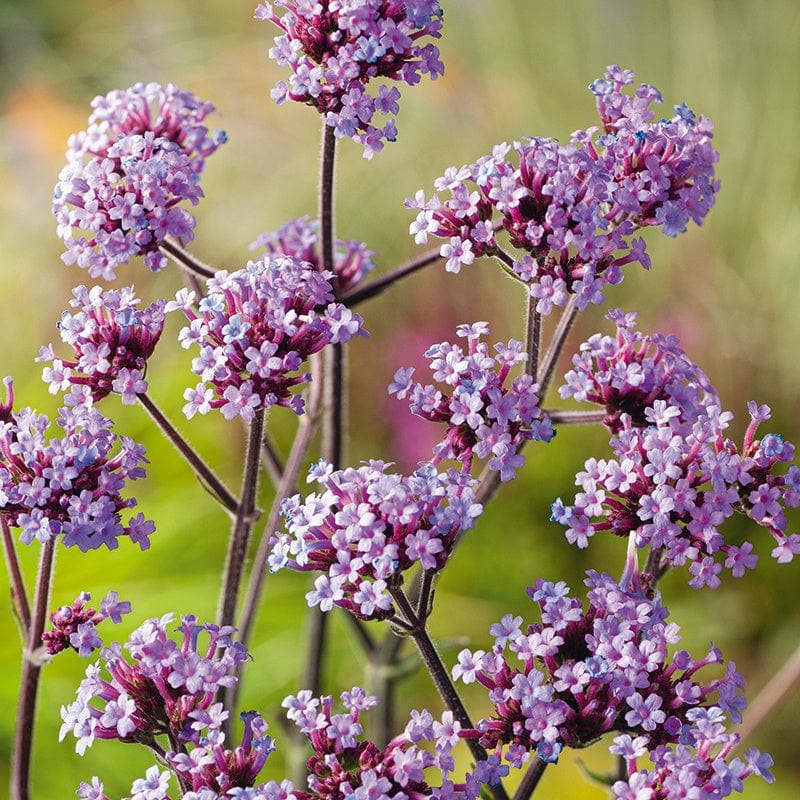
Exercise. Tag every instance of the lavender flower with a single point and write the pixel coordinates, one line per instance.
(484, 416)
(334, 49)
(572, 209)
(118, 195)
(367, 527)
(345, 765)
(254, 329)
(673, 484)
(69, 486)
(580, 673)
(165, 688)
(75, 625)
(299, 238)
(112, 340)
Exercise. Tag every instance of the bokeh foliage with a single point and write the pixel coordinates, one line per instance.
(513, 68)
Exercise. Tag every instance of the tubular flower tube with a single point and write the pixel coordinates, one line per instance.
(485, 416)
(299, 238)
(628, 373)
(368, 526)
(119, 194)
(254, 329)
(335, 49)
(673, 484)
(69, 486)
(583, 672)
(112, 339)
(569, 211)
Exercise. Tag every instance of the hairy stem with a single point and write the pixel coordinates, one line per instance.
(19, 596)
(533, 335)
(29, 682)
(184, 259)
(545, 374)
(562, 417)
(201, 469)
(531, 779)
(243, 522)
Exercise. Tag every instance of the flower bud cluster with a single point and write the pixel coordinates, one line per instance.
(343, 765)
(118, 195)
(112, 340)
(675, 482)
(75, 625)
(334, 49)
(299, 238)
(628, 373)
(254, 329)
(367, 526)
(572, 209)
(580, 673)
(165, 687)
(485, 417)
(69, 486)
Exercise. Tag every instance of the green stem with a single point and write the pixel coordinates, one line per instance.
(29, 682)
(19, 596)
(201, 469)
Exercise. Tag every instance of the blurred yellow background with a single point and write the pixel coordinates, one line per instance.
(513, 68)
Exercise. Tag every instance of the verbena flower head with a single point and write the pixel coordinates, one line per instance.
(162, 687)
(120, 192)
(367, 526)
(584, 671)
(344, 765)
(112, 339)
(254, 329)
(335, 48)
(488, 413)
(628, 373)
(699, 767)
(570, 211)
(299, 238)
(673, 484)
(75, 625)
(69, 486)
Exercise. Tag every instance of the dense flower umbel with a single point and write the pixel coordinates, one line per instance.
(118, 195)
(255, 328)
(69, 486)
(697, 768)
(299, 238)
(334, 48)
(367, 527)
(676, 481)
(167, 687)
(112, 339)
(75, 625)
(579, 674)
(484, 416)
(572, 209)
(345, 767)
(628, 373)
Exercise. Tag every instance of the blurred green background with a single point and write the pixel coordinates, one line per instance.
(513, 68)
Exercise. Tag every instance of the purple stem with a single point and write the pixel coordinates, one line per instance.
(184, 259)
(18, 593)
(545, 374)
(203, 471)
(531, 779)
(29, 681)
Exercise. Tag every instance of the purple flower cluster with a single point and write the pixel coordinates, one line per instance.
(572, 209)
(68, 486)
(255, 328)
(484, 416)
(580, 673)
(673, 484)
(628, 373)
(343, 765)
(334, 48)
(299, 238)
(166, 687)
(367, 527)
(698, 767)
(75, 625)
(118, 195)
(112, 339)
